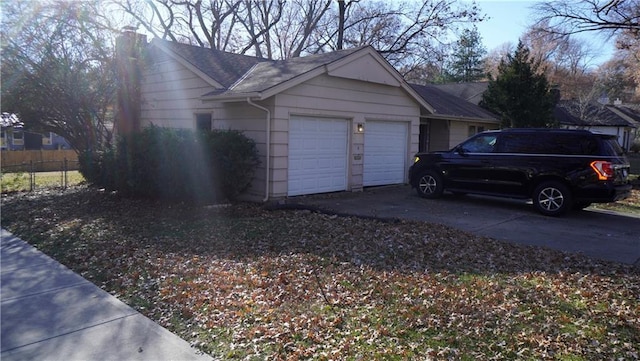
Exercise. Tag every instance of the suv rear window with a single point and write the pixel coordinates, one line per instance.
(611, 147)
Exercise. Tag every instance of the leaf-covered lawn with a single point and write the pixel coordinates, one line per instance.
(242, 282)
(629, 205)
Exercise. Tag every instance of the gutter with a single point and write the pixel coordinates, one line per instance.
(460, 118)
(268, 153)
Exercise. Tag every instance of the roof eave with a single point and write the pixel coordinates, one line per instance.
(234, 97)
(460, 118)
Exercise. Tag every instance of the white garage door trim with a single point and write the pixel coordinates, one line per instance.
(385, 153)
(318, 150)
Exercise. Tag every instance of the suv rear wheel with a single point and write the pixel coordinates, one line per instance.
(430, 184)
(552, 198)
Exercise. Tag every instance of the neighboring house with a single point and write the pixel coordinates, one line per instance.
(452, 121)
(19, 139)
(13, 136)
(614, 119)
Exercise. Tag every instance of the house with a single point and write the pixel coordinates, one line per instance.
(20, 139)
(329, 122)
(13, 136)
(614, 119)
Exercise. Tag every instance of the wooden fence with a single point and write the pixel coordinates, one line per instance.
(39, 160)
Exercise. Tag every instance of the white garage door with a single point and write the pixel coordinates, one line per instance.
(317, 155)
(385, 153)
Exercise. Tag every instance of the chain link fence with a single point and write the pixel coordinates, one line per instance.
(40, 174)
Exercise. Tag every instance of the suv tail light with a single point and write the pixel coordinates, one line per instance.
(603, 169)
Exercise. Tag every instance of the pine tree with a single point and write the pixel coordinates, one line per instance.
(468, 57)
(521, 94)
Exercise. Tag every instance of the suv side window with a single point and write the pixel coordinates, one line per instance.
(519, 143)
(568, 144)
(484, 143)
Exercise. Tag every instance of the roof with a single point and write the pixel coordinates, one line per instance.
(595, 114)
(268, 74)
(225, 68)
(446, 104)
(471, 92)
(236, 76)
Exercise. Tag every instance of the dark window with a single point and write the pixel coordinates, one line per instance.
(203, 121)
(423, 145)
(481, 144)
(475, 129)
(611, 147)
(568, 144)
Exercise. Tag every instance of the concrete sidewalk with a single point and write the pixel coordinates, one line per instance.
(48, 312)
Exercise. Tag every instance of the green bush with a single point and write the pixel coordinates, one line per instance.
(97, 167)
(176, 164)
(235, 159)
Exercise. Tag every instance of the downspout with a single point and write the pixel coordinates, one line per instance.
(268, 154)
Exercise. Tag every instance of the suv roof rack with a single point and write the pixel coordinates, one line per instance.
(546, 130)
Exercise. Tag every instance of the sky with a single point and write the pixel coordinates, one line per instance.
(509, 19)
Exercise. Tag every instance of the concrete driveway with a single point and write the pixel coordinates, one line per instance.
(598, 234)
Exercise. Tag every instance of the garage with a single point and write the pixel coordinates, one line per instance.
(385, 153)
(318, 149)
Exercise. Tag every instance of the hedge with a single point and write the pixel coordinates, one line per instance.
(175, 164)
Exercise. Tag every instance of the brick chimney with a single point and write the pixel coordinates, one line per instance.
(129, 49)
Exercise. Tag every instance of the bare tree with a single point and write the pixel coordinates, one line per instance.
(495, 56)
(406, 33)
(620, 76)
(564, 17)
(261, 18)
(565, 60)
(57, 70)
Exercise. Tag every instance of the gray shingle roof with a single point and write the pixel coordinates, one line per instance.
(240, 74)
(225, 68)
(269, 74)
(450, 105)
(471, 92)
(593, 114)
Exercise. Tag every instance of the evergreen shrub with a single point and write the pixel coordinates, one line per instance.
(176, 164)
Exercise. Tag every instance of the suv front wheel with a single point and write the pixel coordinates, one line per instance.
(430, 184)
(552, 198)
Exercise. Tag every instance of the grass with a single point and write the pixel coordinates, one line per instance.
(245, 283)
(16, 182)
(630, 205)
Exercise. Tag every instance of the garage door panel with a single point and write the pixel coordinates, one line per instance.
(317, 155)
(385, 152)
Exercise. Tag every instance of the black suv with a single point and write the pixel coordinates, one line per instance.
(558, 169)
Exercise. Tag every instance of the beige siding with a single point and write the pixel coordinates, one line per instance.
(438, 135)
(253, 123)
(460, 130)
(171, 96)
